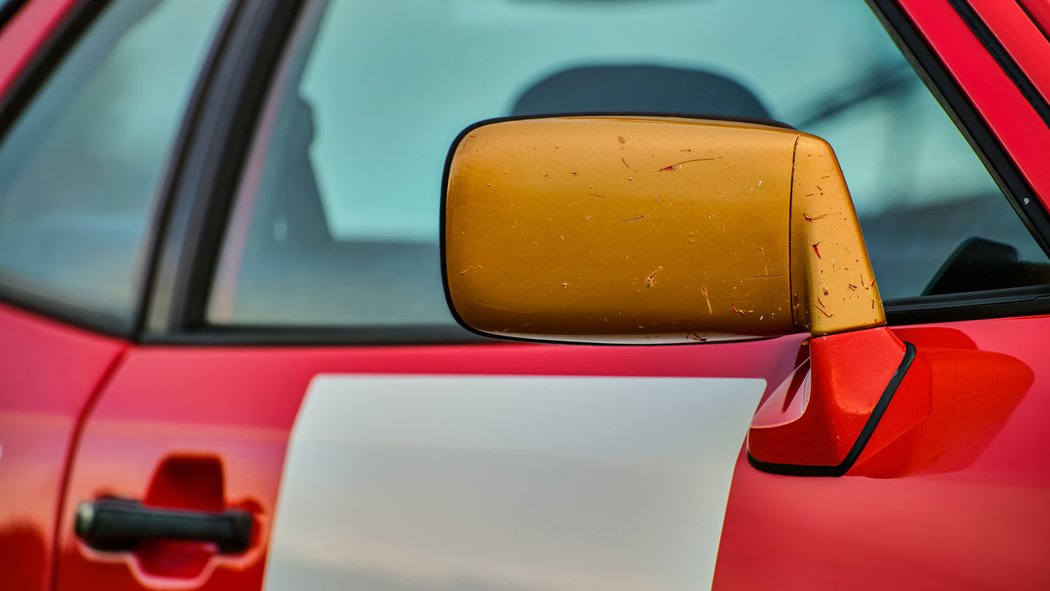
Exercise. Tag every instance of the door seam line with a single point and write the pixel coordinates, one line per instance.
(67, 471)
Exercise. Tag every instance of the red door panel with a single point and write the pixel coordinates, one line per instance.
(237, 407)
(961, 501)
(49, 374)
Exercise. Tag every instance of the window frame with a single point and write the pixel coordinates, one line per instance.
(212, 167)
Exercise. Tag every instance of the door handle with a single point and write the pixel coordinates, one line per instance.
(117, 525)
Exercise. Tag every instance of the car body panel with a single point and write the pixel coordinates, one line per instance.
(240, 407)
(51, 373)
(1039, 11)
(1019, 33)
(969, 509)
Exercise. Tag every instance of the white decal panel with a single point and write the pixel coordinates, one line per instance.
(485, 483)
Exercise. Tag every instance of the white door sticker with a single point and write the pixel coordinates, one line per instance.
(479, 483)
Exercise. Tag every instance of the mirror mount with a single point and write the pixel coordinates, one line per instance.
(820, 419)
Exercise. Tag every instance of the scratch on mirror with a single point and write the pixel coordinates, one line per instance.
(651, 279)
(677, 165)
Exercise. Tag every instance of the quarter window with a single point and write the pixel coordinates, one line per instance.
(80, 167)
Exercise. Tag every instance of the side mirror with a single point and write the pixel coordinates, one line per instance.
(629, 229)
(648, 229)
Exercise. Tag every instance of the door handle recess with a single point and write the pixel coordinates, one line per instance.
(118, 525)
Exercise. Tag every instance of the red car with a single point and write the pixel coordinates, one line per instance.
(228, 360)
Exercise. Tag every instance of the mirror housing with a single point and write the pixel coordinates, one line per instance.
(631, 229)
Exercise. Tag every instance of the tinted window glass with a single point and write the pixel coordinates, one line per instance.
(80, 168)
(337, 217)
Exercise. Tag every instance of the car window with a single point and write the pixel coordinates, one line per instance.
(336, 220)
(81, 165)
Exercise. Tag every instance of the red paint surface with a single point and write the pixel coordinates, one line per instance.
(1040, 11)
(238, 405)
(955, 400)
(974, 511)
(816, 415)
(957, 498)
(1023, 134)
(1021, 38)
(48, 373)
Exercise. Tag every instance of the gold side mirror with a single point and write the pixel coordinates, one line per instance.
(650, 229)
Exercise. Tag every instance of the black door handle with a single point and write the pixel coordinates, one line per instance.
(120, 524)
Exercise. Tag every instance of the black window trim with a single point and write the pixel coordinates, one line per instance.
(65, 36)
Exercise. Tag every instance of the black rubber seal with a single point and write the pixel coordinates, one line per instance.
(862, 438)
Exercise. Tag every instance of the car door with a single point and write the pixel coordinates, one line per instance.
(297, 368)
(39, 413)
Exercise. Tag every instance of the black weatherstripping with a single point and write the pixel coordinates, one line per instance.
(120, 525)
(999, 303)
(862, 438)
